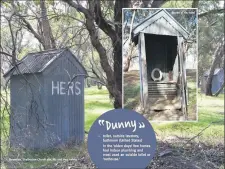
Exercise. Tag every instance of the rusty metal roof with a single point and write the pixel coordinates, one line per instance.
(35, 62)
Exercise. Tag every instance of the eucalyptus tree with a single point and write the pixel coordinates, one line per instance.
(211, 46)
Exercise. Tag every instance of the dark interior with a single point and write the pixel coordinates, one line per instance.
(161, 52)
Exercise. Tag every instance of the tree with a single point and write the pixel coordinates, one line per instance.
(94, 20)
(44, 34)
(91, 18)
(211, 24)
(218, 56)
(131, 45)
(48, 39)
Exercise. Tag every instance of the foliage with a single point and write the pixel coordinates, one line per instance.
(210, 30)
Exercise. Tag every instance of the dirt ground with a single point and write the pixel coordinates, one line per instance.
(173, 113)
(172, 153)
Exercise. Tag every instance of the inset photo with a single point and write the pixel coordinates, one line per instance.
(160, 63)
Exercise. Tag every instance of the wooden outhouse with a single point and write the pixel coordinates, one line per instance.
(47, 100)
(160, 40)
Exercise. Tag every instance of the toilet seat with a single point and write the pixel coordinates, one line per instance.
(153, 74)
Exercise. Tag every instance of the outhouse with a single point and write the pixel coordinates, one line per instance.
(217, 80)
(47, 100)
(160, 39)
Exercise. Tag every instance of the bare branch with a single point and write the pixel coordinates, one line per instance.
(27, 24)
(214, 11)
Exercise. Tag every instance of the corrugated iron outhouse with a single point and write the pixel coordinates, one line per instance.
(47, 100)
(217, 80)
(160, 40)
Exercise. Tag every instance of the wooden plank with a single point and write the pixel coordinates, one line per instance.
(161, 27)
(152, 20)
(163, 90)
(162, 85)
(185, 74)
(144, 69)
(140, 72)
(180, 54)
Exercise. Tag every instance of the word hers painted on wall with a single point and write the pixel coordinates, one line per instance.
(66, 88)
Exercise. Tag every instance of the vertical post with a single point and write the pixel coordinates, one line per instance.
(140, 70)
(143, 69)
(183, 75)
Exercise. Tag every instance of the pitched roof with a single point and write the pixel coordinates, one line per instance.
(36, 62)
(216, 71)
(156, 16)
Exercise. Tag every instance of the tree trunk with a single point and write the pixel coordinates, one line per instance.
(131, 45)
(221, 88)
(117, 51)
(129, 57)
(94, 17)
(195, 3)
(48, 39)
(218, 55)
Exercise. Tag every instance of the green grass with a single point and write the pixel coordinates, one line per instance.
(210, 109)
(132, 96)
(96, 103)
(192, 98)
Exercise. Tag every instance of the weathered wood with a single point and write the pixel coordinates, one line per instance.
(143, 67)
(182, 77)
(185, 74)
(140, 72)
(158, 15)
(161, 27)
(172, 65)
(161, 89)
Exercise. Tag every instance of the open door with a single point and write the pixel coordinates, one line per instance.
(143, 69)
(183, 81)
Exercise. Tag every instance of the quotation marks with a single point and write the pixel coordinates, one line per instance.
(101, 122)
(141, 125)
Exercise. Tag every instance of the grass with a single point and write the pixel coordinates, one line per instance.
(210, 110)
(96, 103)
(209, 114)
(192, 98)
(133, 93)
(131, 89)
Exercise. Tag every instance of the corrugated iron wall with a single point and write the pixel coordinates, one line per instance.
(47, 119)
(65, 111)
(26, 117)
